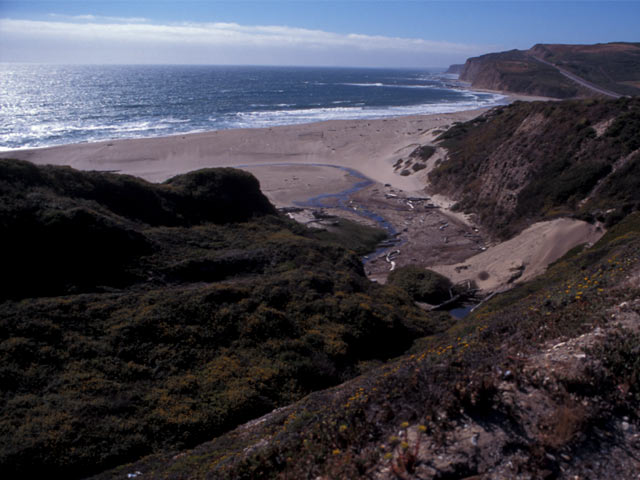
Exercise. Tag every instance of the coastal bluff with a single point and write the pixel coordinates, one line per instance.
(559, 71)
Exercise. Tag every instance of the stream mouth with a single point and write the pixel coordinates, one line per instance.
(341, 201)
(461, 311)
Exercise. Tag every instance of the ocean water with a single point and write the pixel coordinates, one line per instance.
(44, 105)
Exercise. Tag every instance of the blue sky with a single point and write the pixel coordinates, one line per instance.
(385, 33)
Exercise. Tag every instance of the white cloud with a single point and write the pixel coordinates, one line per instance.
(207, 42)
(99, 18)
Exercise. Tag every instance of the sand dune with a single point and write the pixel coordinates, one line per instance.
(528, 254)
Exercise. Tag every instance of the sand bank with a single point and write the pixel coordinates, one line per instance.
(524, 256)
(368, 146)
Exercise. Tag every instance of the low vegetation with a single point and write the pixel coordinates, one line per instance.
(420, 284)
(408, 418)
(177, 321)
(142, 318)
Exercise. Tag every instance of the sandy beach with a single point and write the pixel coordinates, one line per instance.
(368, 146)
(296, 162)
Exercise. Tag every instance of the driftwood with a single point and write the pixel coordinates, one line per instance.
(486, 299)
(448, 302)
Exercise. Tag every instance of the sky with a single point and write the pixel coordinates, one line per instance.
(356, 33)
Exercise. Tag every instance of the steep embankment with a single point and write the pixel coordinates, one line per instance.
(613, 67)
(536, 161)
(139, 318)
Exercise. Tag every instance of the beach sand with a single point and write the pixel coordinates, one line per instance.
(368, 146)
(523, 257)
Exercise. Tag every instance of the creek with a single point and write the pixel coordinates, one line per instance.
(341, 200)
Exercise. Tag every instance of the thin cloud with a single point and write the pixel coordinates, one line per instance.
(94, 39)
(98, 18)
(221, 34)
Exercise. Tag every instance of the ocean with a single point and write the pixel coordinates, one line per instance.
(46, 105)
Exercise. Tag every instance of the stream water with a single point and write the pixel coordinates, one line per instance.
(341, 200)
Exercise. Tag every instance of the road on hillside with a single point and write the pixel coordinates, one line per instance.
(579, 80)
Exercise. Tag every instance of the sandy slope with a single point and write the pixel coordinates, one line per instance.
(530, 252)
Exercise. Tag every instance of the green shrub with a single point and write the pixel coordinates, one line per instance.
(421, 284)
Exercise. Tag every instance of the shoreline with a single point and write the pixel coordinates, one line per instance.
(368, 146)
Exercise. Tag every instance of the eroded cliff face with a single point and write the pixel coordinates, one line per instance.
(533, 161)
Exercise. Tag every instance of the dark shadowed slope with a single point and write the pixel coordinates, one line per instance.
(139, 318)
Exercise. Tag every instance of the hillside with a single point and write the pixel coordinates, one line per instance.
(147, 327)
(140, 318)
(542, 381)
(535, 161)
(613, 67)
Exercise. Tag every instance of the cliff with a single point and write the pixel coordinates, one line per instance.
(528, 162)
(455, 68)
(614, 67)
